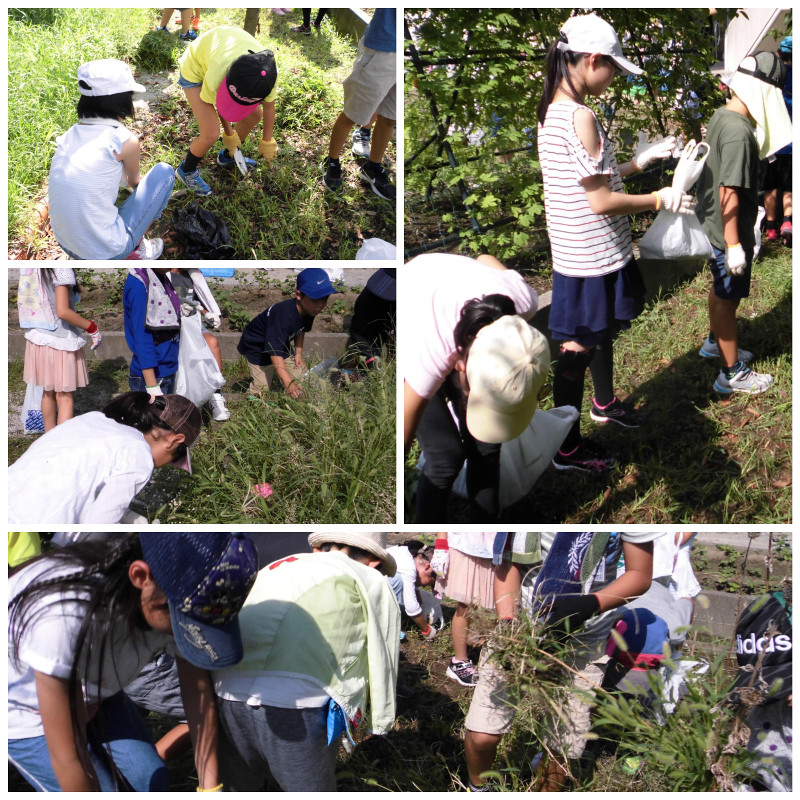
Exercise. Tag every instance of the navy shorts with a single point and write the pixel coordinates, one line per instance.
(729, 287)
(778, 174)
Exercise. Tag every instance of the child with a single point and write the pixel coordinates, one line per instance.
(227, 77)
(152, 330)
(463, 562)
(727, 206)
(468, 342)
(22, 547)
(188, 30)
(92, 160)
(191, 287)
(577, 581)
(369, 88)
(321, 636)
(305, 28)
(778, 177)
(597, 287)
(266, 341)
(91, 467)
(93, 614)
(413, 571)
(54, 356)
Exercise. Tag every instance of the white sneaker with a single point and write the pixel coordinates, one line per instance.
(710, 349)
(745, 380)
(361, 143)
(148, 250)
(219, 411)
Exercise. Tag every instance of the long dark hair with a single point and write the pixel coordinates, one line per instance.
(108, 106)
(94, 575)
(557, 66)
(138, 410)
(477, 314)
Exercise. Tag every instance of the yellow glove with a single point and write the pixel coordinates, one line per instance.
(231, 142)
(268, 150)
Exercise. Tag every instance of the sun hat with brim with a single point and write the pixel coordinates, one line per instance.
(507, 365)
(374, 543)
(768, 69)
(383, 283)
(590, 34)
(106, 76)
(249, 80)
(206, 578)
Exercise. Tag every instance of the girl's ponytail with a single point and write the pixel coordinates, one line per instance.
(557, 64)
(477, 314)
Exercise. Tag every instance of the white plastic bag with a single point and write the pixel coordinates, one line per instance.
(376, 250)
(198, 375)
(524, 459)
(31, 416)
(673, 236)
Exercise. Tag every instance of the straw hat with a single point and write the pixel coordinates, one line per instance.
(374, 543)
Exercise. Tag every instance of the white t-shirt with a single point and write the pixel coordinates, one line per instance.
(88, 469)
(478, 545)
(437, 288)
(82, 190)
(404, 582)
(48, 646)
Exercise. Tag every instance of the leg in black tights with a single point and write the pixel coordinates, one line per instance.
(568, 381)
(602, 370)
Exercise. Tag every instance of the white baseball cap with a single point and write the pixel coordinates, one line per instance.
(507, 366)
(590, 34)
(106, 76)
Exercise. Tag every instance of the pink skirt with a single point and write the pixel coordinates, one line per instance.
(470, 580)
(54, 370)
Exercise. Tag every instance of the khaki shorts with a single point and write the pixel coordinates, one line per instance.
(261, 377)
(494, 706)
(370, 87)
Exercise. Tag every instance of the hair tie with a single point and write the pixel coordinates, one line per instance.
(563, 42)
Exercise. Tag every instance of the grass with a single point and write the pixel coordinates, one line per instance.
(698, 458)
(278, 213)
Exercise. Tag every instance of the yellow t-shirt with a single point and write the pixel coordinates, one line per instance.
(210, 56)
(22, 547)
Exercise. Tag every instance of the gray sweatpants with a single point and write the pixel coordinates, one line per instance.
(290, 744)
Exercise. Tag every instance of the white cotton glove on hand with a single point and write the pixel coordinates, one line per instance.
(735, 260)
(432, 609)
(690, 165)
(214, 320)
(647, 152)
(441, 558)
(430, 634)
(676, 201)
(154, 391)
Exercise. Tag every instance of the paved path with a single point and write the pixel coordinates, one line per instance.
(737, 539)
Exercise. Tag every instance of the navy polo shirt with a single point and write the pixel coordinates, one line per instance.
(273, 332)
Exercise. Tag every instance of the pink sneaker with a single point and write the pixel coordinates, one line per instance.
(771, 235)
(279, 11)
(786, 231)
(148, 250)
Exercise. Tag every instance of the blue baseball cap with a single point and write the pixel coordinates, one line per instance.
(206, 578)
(315, 283)
(644, 635)
(785, 47)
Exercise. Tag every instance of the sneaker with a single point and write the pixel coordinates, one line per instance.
(378, 179)
(316, 25)
(189, 36)
(165, 29)
(148, 250)
(710, 349)
(192, 181)
(771, 234)
(361, 143)
(464, 672)
(745, 380)
(623, 414)
(332, 175)
(279, 11)
(219, 411)
(195, 24)
(225, 160)
(588, 456)
(304, 29)
(786, 231)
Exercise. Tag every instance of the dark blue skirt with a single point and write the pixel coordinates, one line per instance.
(584, 310)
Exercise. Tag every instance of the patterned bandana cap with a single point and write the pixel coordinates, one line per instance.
(206, 578)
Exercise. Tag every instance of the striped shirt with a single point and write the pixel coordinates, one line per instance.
(583, 244)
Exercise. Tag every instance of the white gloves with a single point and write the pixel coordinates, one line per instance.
(214, 320)
(735, 260)
(441, 558)
(675, 201)
(154, 391)
(187, 309)
(690, 165)
(429, 634)
(647, 152)
(97, 337)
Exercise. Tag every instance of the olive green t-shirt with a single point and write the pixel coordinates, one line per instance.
(733, 161)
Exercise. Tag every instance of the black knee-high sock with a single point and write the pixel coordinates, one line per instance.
(602, 369)
(568, 381)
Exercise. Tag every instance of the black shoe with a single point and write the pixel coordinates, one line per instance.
(588, 456)
(378, 180)
(332, 175)
(623, 414)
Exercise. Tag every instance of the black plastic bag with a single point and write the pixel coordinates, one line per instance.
(204, 235)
